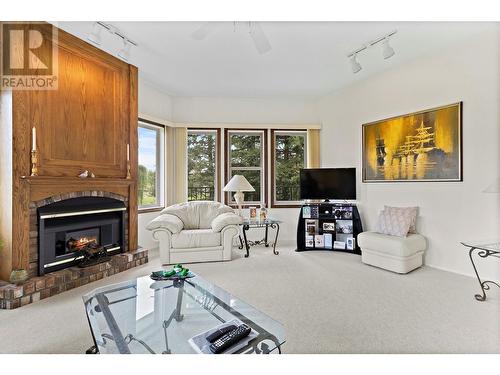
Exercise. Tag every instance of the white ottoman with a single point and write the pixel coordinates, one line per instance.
(397, 254)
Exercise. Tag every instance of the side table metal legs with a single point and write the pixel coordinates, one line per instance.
(277, 227)
(247, 246)
(484, 285)
(245, 243)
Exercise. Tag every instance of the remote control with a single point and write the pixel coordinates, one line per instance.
(220, 332)
(230, 338)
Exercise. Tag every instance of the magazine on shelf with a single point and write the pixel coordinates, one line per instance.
(309, 240)
(314, 212)
(351, 243)
(311, 226)
(328, 240)
(339, 245)
(200, 344)
(319, 240)
(306, 212)
(343, 226)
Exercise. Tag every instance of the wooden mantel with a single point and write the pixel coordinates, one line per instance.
(85, 124)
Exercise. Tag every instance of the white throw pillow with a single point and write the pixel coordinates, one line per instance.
(410, 212)
(393, 224)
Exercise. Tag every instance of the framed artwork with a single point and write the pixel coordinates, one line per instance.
(420, 146)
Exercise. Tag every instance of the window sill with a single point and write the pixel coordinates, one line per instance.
(149, 209)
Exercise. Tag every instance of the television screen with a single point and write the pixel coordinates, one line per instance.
(328, 183)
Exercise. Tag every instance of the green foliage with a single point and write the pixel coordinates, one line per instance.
(245, 152)
(146, 186)
(201, 166)
(289, 161)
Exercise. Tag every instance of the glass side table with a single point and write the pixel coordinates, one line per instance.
(268, 223)
(483, 251)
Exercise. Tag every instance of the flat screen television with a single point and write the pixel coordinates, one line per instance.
(328, 183)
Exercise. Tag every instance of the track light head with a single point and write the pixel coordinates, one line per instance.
(355, 65)
(124, 53)
(387, 50)
(95, 35)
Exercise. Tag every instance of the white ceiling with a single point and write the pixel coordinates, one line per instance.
(308, 59)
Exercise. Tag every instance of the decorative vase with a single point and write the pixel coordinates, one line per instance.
(18, 276)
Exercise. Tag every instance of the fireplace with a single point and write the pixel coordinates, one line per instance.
(66, 227)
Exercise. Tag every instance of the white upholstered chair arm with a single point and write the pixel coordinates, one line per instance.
(225, 219)
(164, 237)
(166, 221)
(228, 233)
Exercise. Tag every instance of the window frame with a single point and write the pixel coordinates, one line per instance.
(228, 196)
(284, 204)
(160, 165)
(217, 131)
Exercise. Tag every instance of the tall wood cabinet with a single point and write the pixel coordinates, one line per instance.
(85, 124)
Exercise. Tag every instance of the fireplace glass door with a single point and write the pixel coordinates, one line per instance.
(74, 241)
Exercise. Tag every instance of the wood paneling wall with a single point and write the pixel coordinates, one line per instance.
(85, 124)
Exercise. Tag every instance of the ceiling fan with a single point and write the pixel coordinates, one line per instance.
(255, 31)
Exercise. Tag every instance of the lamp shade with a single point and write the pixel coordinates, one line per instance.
(238, 183)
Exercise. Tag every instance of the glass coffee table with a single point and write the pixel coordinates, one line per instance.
(146, 316)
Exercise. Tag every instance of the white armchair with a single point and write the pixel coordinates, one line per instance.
(199, 231)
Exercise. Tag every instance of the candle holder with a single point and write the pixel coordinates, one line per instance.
(34, 163)
(129, 176)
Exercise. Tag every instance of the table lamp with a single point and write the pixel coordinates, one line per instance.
(239, 184)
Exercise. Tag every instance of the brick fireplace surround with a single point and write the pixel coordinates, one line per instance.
(40, 287)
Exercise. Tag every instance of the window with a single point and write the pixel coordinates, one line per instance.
(150, 171)
(203, 164)
(246, 156)
(289, 156)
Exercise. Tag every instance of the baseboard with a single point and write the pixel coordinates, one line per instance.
(441, 268)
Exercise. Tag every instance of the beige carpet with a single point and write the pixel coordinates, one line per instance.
(328, 302)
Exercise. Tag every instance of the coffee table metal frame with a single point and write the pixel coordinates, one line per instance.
(209, 303)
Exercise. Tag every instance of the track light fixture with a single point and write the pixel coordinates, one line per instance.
(95, 35)
(355, 65)
(387, 50)
(124, 53)
(95, 38)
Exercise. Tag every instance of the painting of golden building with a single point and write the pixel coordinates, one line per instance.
(420, 146)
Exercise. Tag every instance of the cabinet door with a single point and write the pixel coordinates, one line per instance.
(84, 124)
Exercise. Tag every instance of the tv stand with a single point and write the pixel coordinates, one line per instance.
(329, 226)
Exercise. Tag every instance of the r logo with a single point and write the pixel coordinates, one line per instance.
(26, 49)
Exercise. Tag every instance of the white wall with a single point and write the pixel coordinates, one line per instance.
(245, 110)
(153, 102)
(450, 212)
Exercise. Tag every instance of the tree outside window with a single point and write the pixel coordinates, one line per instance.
(289, 158)
(150, 154)
(246, 157)
(202, 164)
